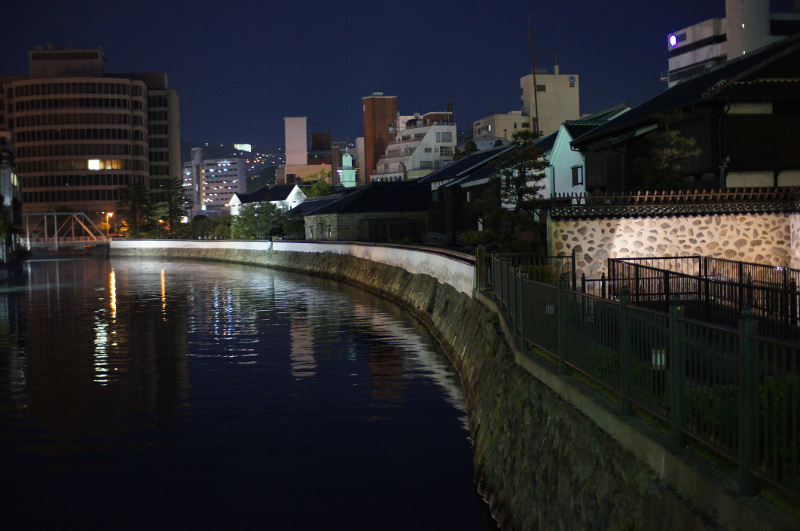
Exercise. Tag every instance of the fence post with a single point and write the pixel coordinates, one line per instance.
(603, 285)
(480, 268)
(625, 347)
(748, 425)
(793, 303)
(574, 273)
(677, 349)
(583, 282)
(519, 320)
(562, 326)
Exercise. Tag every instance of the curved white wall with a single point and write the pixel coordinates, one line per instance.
(457, 274)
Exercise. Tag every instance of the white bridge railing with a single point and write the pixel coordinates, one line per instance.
(54, 229)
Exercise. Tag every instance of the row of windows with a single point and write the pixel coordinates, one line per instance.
(159, 171)
(63, 196)
(157, 100)
(41, 166)
(45, 89)
(158, 116)
(83, 179)
(444, 136)
(56, 135)
(89, 150)
(159, 142)
(159, 156)
(91, 118)
(159, 129)
(77, 103)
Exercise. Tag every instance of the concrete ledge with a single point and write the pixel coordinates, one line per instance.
(454, 273)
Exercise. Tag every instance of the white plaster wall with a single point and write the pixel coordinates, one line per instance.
(446, 270)
(762, 238)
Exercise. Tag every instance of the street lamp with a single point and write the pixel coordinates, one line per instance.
(109, 215)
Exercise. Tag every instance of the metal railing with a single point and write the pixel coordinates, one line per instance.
(733, 391)
(712, 289)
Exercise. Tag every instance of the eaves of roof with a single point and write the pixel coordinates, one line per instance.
(465, 165)
(707, 86)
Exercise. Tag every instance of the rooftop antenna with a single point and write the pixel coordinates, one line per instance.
(535, 114)
(555, 61)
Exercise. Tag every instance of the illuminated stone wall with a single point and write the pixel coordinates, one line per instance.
(795, 224)
(762, 238)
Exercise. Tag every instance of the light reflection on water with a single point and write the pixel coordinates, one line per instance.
(186, 393)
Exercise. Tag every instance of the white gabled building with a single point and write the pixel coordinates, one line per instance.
(565, 172)
(284, 196)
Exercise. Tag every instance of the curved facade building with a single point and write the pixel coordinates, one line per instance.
(81, 135)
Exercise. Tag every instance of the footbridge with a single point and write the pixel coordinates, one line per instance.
(51, 230)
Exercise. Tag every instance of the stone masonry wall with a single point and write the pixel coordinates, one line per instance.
(539, 461)
(761, 238)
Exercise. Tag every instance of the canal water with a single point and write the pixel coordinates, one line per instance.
(141, 394)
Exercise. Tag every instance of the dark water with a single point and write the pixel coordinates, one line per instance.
(183, 395)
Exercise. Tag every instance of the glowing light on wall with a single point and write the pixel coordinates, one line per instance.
(673, 40)
(163, 294)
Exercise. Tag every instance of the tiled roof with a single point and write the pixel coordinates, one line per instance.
(403, 196)
(718, 83)
(461, 166)
(276, 193)
(545, 144)
(280, 192)
(759, 90)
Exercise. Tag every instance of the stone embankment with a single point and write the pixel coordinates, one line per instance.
(549, 452)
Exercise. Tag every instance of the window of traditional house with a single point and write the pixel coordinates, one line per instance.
(577, 175)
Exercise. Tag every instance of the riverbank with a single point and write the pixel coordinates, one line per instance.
(549, 453)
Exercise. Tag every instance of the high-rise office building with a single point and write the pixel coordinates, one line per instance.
(380, 116)
(81, 133)
(211, 183)
(747, 26)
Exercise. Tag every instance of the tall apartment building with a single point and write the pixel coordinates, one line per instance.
(380, 116)
(747, 26)
(421, 144)
(557, 99)
(211, 183)
(81, 133)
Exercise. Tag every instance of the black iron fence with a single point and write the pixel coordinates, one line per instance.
(712, 289)
(734, 391)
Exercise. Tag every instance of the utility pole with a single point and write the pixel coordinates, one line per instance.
(535, 110)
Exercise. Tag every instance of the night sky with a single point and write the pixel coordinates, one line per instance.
(240, 67)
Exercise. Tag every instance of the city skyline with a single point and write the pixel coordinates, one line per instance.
(239, 69)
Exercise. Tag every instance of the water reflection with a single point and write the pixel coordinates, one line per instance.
(192, 381)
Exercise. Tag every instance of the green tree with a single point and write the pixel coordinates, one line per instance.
(222, 226)
(294, 225)
(200, 227)
(670, 151)
(513, 201)
(320, 188)
(470, 147)
(175, 206)
(135, 207)
(257, 221)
